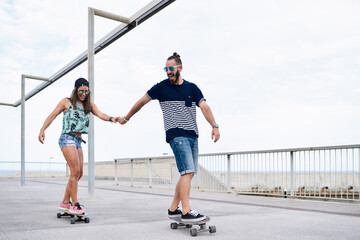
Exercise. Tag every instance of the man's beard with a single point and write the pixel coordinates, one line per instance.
(177, 75)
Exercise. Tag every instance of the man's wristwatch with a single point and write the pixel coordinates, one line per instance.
(215, 125)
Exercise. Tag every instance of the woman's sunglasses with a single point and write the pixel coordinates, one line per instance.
(81, 92)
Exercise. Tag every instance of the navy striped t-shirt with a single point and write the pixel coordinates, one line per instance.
(178, 104)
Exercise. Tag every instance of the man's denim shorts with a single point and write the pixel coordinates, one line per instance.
(67, 140)
(186, 151)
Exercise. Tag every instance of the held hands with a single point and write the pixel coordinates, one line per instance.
(115, 119)
(121, 120)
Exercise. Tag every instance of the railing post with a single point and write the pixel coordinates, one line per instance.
(67, 170)
(228, 173)
(132, 172)
(292, 173)
(150, 174)
(196, 180)
(115, 173)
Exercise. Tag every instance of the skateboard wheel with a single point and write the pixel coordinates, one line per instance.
(72, 220)
(193, 232)
(87, 220)
(173, 225)
(188, 226)
(212, 229)
(58, 215)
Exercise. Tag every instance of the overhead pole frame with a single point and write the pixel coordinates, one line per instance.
(92, 12)
(138, 18)
(128, 24)
(23, 77)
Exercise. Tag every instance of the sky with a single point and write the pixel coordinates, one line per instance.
(276, 74)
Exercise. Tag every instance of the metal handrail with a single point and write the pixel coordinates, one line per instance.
(325, 172)
(252, 152)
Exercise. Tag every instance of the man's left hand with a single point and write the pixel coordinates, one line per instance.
(215, 134)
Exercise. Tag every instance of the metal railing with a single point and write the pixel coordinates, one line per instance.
(145, 171)
(316, 172)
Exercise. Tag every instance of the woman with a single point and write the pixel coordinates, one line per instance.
(76, 111)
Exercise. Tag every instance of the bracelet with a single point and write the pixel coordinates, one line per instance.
(110, 120)
(125, 119)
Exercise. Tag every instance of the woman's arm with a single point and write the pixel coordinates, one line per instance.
(59, 108)
(101, 115)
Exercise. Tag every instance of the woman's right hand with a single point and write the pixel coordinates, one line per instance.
(42, 136)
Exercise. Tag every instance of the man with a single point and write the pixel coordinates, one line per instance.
(178, 99)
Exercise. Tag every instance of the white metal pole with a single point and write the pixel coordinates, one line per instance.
(150, 174)
(7, 104)
(292, 173)
(22, 130)
(91, 144)
(228, 173)
(115, 172)
(111, 16)
(91, 52)
(132, 172)
(23, 76)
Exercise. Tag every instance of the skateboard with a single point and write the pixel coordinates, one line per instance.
(73, 217)
(193, 231)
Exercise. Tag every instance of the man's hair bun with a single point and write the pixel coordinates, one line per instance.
(176, 57)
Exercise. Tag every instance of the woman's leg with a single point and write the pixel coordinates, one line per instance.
(81, 161)
(67, 194)
(71, 155)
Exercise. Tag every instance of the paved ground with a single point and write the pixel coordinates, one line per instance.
(119, 212)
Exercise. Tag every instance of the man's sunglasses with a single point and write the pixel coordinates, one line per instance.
(166, 69)
(81, 92)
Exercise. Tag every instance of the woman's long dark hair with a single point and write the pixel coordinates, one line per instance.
(86, 102)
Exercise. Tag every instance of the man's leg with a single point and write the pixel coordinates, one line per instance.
(176, 200)
(186, 155)
(182, 193)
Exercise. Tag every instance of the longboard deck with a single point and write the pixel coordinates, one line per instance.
(193, 231)
(178, 219)
(73, 217)
(68, 213)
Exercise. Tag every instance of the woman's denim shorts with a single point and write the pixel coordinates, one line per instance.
(186, 151)
(67, 140)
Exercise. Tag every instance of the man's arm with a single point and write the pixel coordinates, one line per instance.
(206, 110)
(137, 106)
